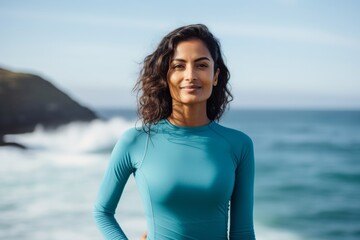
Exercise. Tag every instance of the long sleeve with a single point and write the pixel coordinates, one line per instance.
(241, 204)
(111, 188)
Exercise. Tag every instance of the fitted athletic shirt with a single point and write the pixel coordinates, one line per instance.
(188, 178)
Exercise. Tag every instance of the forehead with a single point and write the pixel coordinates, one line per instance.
(192, 48)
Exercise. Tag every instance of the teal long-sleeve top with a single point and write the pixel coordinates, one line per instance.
(188, 178)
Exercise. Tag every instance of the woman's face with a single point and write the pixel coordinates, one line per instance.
(191, 74)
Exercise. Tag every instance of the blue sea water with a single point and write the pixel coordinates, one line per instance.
(308, 170)
(306, 187)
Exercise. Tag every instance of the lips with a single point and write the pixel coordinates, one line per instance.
(190, 87)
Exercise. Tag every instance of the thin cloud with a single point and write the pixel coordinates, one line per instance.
(83, 19)
(294, 34)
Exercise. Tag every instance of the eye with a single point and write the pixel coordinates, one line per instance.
(202, 65)
(178, 66)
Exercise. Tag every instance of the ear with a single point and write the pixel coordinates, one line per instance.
(216, 76)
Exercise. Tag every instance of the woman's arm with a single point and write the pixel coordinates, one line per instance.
(114, 180)
(241, 205)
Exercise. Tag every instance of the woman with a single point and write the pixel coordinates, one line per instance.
(188, 168)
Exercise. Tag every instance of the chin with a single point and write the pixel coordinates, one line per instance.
(192, 101)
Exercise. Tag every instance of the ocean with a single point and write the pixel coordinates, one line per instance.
(307, 183)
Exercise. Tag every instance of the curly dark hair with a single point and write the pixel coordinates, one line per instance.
(155, 102)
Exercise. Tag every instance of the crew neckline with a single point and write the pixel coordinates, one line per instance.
(187, 128)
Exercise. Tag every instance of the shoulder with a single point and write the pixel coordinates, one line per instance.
(129, 147)
(234, 136)
(131, 134)
(240, 142)
(130, 137)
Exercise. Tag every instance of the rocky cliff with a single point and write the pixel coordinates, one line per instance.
(27, 100)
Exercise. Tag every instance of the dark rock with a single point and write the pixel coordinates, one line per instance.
(11, 144)
(27, 100)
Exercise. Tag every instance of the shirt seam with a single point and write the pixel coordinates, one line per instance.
(145, 151)
(151, 205)
(229, 143)
(147, 185)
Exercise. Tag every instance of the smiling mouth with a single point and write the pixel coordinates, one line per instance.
(190, 87)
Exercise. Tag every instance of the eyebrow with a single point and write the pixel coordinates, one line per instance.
(196, 60)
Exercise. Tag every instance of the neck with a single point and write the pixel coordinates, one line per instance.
(189, 115)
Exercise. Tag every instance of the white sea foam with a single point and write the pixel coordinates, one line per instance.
(95, 136)
(266, 233)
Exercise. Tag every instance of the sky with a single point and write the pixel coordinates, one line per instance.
(282, 54)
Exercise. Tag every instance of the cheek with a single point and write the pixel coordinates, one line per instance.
(171, 83)
(173, 88)
(173, 80)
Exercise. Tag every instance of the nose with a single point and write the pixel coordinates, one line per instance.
(190, 73)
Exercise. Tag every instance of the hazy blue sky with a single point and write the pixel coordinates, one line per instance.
(281, 53)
